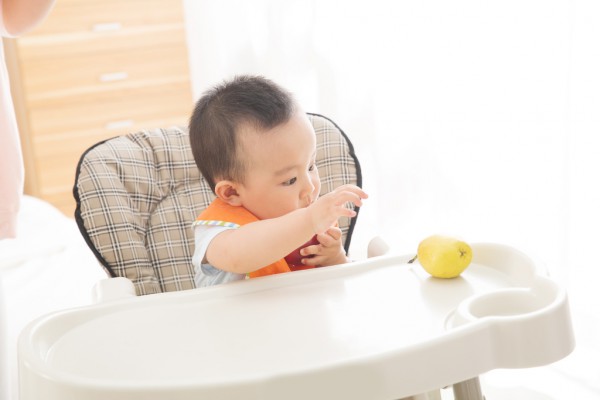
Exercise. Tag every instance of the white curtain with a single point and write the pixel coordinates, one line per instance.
(478, 119)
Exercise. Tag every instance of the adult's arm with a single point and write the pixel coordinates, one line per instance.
(20, 16)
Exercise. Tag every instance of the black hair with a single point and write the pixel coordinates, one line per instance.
(219, 114)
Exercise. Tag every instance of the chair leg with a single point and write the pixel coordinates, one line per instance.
(468, 390)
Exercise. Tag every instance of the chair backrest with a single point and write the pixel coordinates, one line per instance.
(138, 194)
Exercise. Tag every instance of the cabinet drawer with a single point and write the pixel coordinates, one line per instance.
(62, 117)
(72, 75)
(93, 70)
(76, 16)
(44, 49)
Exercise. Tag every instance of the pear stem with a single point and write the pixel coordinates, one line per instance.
(412, 260)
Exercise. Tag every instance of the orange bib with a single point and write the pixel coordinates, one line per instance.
(219, 213)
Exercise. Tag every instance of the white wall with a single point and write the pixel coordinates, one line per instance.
(478, 119)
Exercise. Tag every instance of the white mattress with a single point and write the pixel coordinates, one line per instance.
(48, 267)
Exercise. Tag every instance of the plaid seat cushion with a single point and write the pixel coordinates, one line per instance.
(137, 196)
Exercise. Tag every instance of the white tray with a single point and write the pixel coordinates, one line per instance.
(376, 329)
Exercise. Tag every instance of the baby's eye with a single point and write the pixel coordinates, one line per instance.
(312, 167)
(289, 182)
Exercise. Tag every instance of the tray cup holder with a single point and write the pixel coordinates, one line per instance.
(528, 326)
(510, 302)
(504, 303)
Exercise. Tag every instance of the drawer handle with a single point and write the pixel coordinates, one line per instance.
(107, 27)
(126, 123)
(114, 76)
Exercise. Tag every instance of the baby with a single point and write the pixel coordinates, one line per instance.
(256, 148)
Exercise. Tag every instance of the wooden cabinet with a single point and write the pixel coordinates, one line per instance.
(93, 70)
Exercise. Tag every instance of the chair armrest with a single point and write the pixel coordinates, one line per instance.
(112, 289)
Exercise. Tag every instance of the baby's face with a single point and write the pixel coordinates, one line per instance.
(281, 175)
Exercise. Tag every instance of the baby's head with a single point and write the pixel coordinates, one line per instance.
(250, 139)
(221, 114)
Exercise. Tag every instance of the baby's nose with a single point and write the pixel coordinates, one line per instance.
(309, 196)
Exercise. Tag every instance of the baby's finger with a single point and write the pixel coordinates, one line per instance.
(346, 212)
(311, 250)
(317, 261)
(330, 237)
(325, 239)
(335, 232)
(349, 196)
(354, 189)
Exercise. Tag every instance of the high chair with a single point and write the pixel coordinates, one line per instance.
(377, 329)
(138, 195)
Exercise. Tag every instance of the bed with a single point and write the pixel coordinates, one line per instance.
(48, 267)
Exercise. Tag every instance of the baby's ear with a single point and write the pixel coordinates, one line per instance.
(226, 191)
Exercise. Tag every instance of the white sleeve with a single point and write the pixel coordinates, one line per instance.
(206, 274)
(3, 31)
(11, 159)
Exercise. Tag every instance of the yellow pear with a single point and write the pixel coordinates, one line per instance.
(444, 256)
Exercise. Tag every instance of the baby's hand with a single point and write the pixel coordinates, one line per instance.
(329, 251)
(326, 210)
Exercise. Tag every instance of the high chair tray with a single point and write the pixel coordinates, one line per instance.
(374, 329)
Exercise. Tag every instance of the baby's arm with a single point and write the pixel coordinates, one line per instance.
(261, 243)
